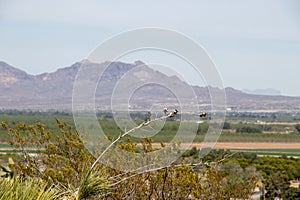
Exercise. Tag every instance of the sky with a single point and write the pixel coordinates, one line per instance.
(255, 44)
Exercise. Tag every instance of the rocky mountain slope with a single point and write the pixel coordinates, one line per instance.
(20, 90)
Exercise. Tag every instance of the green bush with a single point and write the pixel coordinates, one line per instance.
(226, 126)
(248, 129)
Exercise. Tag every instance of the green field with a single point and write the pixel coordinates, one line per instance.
(242, 128)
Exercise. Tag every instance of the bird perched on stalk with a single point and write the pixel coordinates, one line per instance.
(165, 110)
(203, 114)
(173, 113)
(148, 117)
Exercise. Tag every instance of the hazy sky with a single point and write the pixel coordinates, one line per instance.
(255, 43)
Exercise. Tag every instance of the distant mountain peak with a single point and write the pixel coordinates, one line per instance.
(232, 90)
(54, 90)
(85, 61)
(138, 62)
(10, 75)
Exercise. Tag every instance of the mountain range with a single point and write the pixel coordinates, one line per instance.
(53, 91)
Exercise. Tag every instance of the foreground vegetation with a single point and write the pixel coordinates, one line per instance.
(51, 162)
(61, 160)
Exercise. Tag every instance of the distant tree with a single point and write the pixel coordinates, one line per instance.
(202, 128)
(297, 126)
(248, 129)
(226, 125)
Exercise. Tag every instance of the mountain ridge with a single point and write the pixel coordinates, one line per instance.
(54, 90)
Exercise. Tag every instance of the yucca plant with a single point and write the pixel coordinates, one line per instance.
(27, 189)
(93, 184)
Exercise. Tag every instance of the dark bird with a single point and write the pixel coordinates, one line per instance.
(203, 114)
(173, 113)
(148, 117)
(165, 110)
